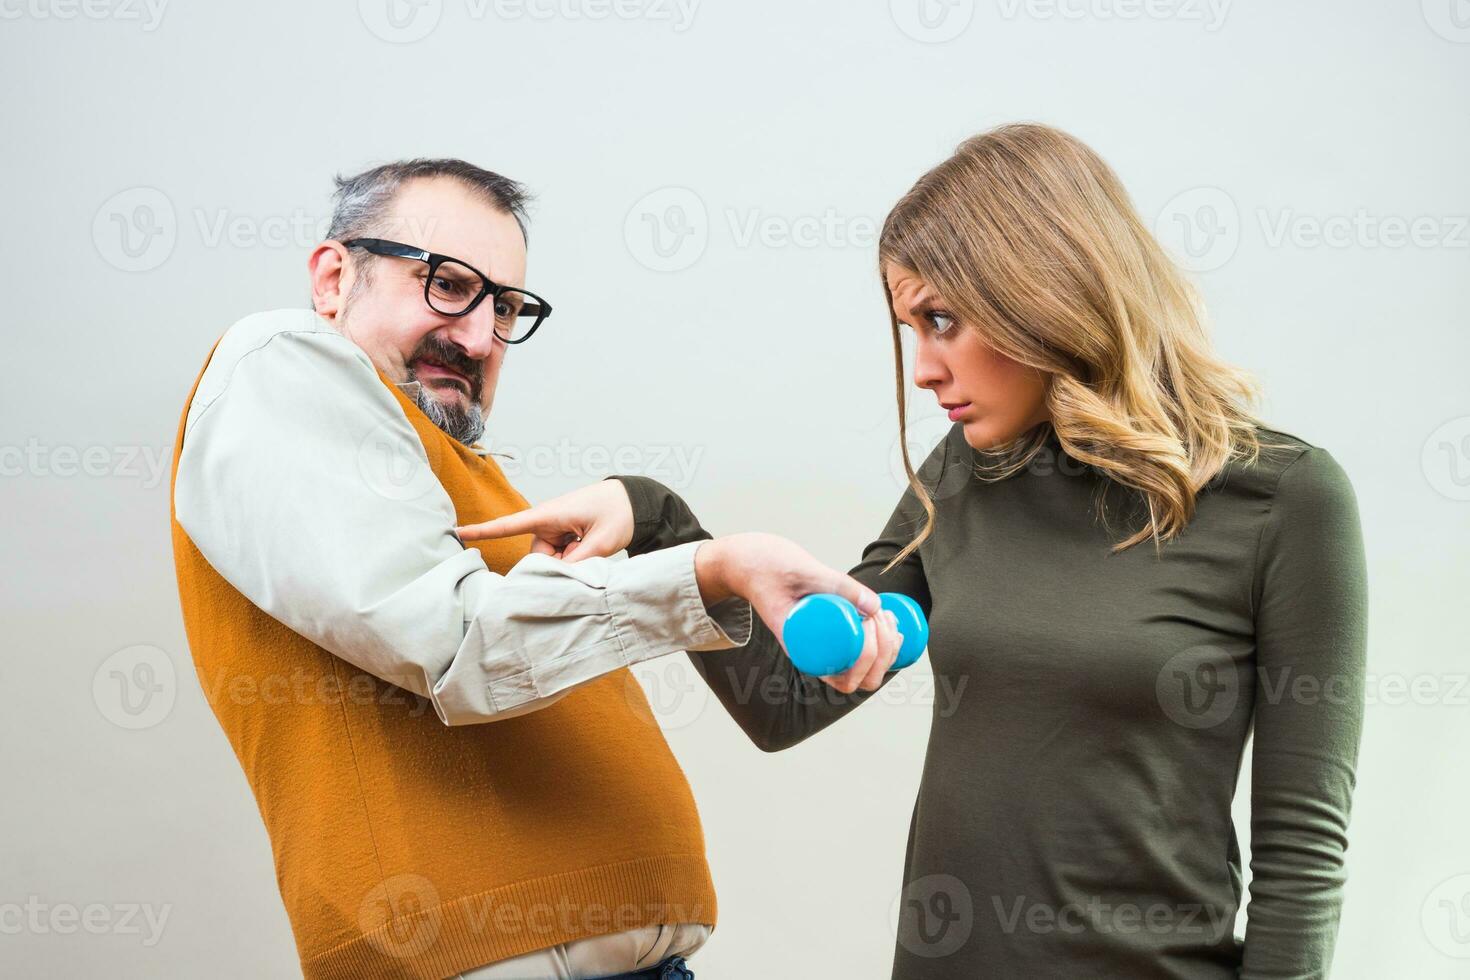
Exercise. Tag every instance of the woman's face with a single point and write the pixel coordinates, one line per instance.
(995, 397)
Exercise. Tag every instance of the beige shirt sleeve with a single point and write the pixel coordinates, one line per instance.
(274, 490)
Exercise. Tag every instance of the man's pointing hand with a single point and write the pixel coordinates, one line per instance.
(593, 522)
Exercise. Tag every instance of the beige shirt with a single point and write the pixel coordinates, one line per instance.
(293, 448)
(598, 956)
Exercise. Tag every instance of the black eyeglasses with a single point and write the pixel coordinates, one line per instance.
(455, 288)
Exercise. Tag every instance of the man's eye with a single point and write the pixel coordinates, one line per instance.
(448, 287)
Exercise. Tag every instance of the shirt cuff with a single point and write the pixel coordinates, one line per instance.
(654, 608)
(656, 605)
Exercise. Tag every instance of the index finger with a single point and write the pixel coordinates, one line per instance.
(529, 521)
(855, 592)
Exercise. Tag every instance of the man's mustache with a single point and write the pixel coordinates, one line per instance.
(448, 355)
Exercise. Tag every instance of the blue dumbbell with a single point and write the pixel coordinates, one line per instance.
(823, 633)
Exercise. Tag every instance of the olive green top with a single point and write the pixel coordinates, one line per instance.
(1073, 818)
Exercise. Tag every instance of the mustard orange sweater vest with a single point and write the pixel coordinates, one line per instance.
(405, 848)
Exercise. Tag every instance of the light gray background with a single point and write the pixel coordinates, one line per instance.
(1308, 160)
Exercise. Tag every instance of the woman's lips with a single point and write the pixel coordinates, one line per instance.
(957, 411)
(426, 370)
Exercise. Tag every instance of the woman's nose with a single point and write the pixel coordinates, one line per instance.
(929, 369)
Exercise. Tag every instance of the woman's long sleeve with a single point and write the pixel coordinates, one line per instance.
(1311, 638)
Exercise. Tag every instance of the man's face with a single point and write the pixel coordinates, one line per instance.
(456, 360)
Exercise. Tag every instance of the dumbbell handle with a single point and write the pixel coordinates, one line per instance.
(823, 633)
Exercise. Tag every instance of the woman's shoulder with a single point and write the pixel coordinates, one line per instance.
(1289, 471)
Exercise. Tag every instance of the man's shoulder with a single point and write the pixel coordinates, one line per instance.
(259, 331)
(290, 340)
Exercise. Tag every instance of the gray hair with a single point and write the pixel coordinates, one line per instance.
(363, 200)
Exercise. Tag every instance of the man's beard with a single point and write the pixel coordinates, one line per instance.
(463, 424)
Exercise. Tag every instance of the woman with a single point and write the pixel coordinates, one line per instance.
(1124, 569)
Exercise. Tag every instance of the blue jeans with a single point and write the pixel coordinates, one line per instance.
(673, 968)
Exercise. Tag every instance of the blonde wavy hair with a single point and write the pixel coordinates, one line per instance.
(1030, 238)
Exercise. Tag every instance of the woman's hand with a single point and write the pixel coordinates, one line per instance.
(593, 522)
(773, 574)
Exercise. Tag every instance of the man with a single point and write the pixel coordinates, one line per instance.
(324, 460)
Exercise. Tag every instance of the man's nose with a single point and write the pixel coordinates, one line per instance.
(475, 331)
(929, 368)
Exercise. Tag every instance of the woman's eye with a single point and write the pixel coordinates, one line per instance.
(942, 322)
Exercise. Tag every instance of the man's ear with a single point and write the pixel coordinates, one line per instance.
(330, 278)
